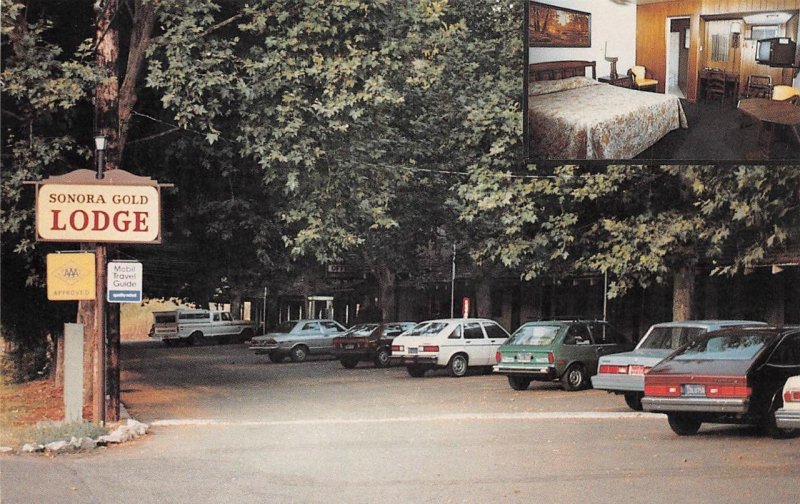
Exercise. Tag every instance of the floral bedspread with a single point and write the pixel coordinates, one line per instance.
(579, 118)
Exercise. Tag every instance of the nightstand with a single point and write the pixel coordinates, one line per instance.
(621, 81)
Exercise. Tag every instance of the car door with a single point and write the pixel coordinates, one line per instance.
(608, 340)
(311, 335)
(329, 330)
(495, 336)
(475, 344)
(783, 363)
(216, 324)
(579, 347)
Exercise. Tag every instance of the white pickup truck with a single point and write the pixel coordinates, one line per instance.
(197, 326)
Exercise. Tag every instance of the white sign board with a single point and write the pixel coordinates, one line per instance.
(124, 282)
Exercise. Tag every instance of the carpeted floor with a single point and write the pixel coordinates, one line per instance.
(715, 134)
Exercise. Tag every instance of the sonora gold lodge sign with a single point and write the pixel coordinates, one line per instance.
(120, 208)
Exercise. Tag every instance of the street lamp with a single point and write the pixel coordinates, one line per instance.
(100, 146)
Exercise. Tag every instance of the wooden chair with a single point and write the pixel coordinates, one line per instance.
(715, 85)
(641, 80)
(786, 93)
(758, 86)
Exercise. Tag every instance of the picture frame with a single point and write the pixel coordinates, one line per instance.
(552, 26)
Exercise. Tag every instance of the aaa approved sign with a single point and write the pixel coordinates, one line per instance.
(124, 282)
(71, 276)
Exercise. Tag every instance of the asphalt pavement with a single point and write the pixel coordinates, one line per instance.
(229, 426)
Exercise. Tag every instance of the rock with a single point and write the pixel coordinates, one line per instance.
(125, 432)
(6, 449)
(57, 447)
(83, 443)
(32, 448)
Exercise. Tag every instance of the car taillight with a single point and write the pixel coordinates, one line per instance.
(551, 358)
(397, 348)
(497, 357)
(662, 390)
(610, 369)
(728, 391)
(791, 396)
(430, 348)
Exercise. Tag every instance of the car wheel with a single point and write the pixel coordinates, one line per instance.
(349, 363)
(574, 378)
(299, 353)
(382, 357)
(415, 371)
(634, 400)
(683, 425)
(519, 382)
(276, 357)
(246, 335)
(196, 338)
(457, 366)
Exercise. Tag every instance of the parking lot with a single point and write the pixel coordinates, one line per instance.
(229, 426)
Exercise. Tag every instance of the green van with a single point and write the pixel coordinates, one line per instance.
(565, 350)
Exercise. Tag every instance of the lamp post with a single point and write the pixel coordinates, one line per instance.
(99, 346)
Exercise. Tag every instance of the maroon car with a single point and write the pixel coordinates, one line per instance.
(728, 376)
(368, 342)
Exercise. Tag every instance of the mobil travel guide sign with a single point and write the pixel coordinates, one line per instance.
(77, 207)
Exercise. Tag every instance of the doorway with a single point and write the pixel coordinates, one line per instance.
(677, 64)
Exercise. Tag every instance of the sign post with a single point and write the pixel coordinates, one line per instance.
(94, 207)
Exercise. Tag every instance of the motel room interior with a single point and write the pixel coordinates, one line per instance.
(701, 52)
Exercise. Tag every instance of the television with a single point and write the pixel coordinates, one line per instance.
(776, 52)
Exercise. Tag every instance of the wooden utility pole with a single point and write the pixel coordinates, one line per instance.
(107, 125)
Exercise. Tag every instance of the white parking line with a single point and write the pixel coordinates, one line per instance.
(556, 415)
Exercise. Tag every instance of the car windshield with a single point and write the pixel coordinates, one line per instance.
(737, 346)
(361, 330)
(538, 335)
(670, 338)
(426, 329)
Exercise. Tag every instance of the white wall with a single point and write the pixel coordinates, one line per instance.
(611, 22)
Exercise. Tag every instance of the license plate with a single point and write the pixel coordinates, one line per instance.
(412, 350)
(691, 389)
(349, 347)
(638, 370)
(523, 357)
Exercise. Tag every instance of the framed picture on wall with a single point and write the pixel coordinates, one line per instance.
(551, 26)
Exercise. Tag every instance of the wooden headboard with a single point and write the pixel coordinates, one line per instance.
(554, 70)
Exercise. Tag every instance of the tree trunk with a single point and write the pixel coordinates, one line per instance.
(483, 298)
(683, 293)
(387, 280)
(141, 35)
(236, 305)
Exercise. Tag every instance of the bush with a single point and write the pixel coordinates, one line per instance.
(22, 364)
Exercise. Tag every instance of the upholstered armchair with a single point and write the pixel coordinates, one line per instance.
(641, 79)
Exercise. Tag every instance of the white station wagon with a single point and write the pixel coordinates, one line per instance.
(454, 344)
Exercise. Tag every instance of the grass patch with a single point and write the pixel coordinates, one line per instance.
(48, 432)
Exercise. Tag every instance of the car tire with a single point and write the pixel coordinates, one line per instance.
(634, 400)
(349, 363)
(299, 353)
(683, 425)
(415, 371)
(519, 382)
(246, 335)
(276, 357)
(382, 357)
(574, 378)
(196, 338)
(458, 365)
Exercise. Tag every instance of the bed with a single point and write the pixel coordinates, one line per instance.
(571, 116)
